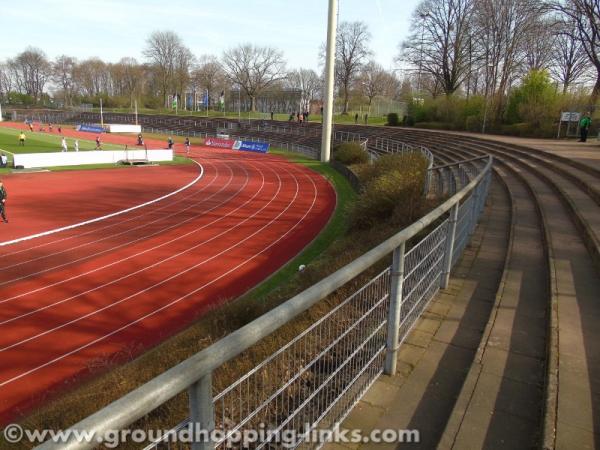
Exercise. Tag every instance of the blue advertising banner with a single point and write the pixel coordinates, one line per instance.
(249, 146)
(90, 128)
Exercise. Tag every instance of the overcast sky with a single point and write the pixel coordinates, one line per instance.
(112, 29)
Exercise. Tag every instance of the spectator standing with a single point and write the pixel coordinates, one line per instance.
(59, 129)
(366, 119)
(271, 115)
(187, 145)
(584, 126)
(356, 119)
(3, 197)
(170, 143)
(98, 143)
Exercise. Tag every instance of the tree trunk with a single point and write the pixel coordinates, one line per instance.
(346, 101)
(595, 92)
(253, 103)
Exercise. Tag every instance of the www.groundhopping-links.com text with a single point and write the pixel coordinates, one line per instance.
(14, 434)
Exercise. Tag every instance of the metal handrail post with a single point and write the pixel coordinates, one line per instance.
(450, 238)
(475, 210)
(202, 413)
(393, 329)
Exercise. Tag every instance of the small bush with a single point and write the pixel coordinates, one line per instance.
(350, 153)
(393, 120)
(473, 123)
(393, 189)
(408, 121)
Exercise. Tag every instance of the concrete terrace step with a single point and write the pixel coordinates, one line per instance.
(439, 352)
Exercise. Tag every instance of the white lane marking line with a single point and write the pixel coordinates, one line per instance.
(112, 236)
(45, 244)
(101, 338)
(143, 268)
(108, 216)
(129, 257)
(108, 250)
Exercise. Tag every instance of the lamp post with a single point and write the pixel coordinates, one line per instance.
(239, 102)
(489, 67)
(329, 75)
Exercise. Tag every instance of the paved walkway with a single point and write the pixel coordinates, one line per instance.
(588, 152)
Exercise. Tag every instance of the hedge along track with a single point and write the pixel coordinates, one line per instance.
(569, 398)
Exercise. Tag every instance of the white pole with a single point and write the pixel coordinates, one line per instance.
(0, 112)
(101, 114)
(329, 74)
(206, 98)
(136, 113)
(239, 103)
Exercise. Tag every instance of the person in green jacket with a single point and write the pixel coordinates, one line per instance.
(584, 126)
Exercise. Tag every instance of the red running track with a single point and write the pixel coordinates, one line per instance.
(120, 285)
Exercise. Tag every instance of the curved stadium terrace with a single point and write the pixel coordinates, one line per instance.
(509, 355)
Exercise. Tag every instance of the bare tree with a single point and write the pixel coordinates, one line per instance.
(90, 76)
(208, 76)
(439, 44)
(540, 44)
(374, 80)
(585, 15)
(6, 84)
(352, 52)
(308, 82)
(127, 78)
(501, 28)
(167, 54)
(253, 68)
(570, 62)
(63, 74)
(31, 71)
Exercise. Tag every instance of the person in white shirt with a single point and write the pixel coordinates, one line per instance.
(76, 145)
(63, 143)
(3, 160)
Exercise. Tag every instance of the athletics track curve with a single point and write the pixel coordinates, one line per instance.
(128, 282)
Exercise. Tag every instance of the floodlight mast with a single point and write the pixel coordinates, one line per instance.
(329, 75)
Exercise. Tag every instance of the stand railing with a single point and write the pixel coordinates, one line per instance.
(313, 381)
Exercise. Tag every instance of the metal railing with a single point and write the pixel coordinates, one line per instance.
(313, 381)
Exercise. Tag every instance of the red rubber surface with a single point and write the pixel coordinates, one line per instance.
(121, 285)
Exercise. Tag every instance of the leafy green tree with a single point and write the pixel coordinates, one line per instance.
(534, 101)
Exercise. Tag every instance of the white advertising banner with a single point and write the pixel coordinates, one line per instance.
(119, 128)
(70, 158)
